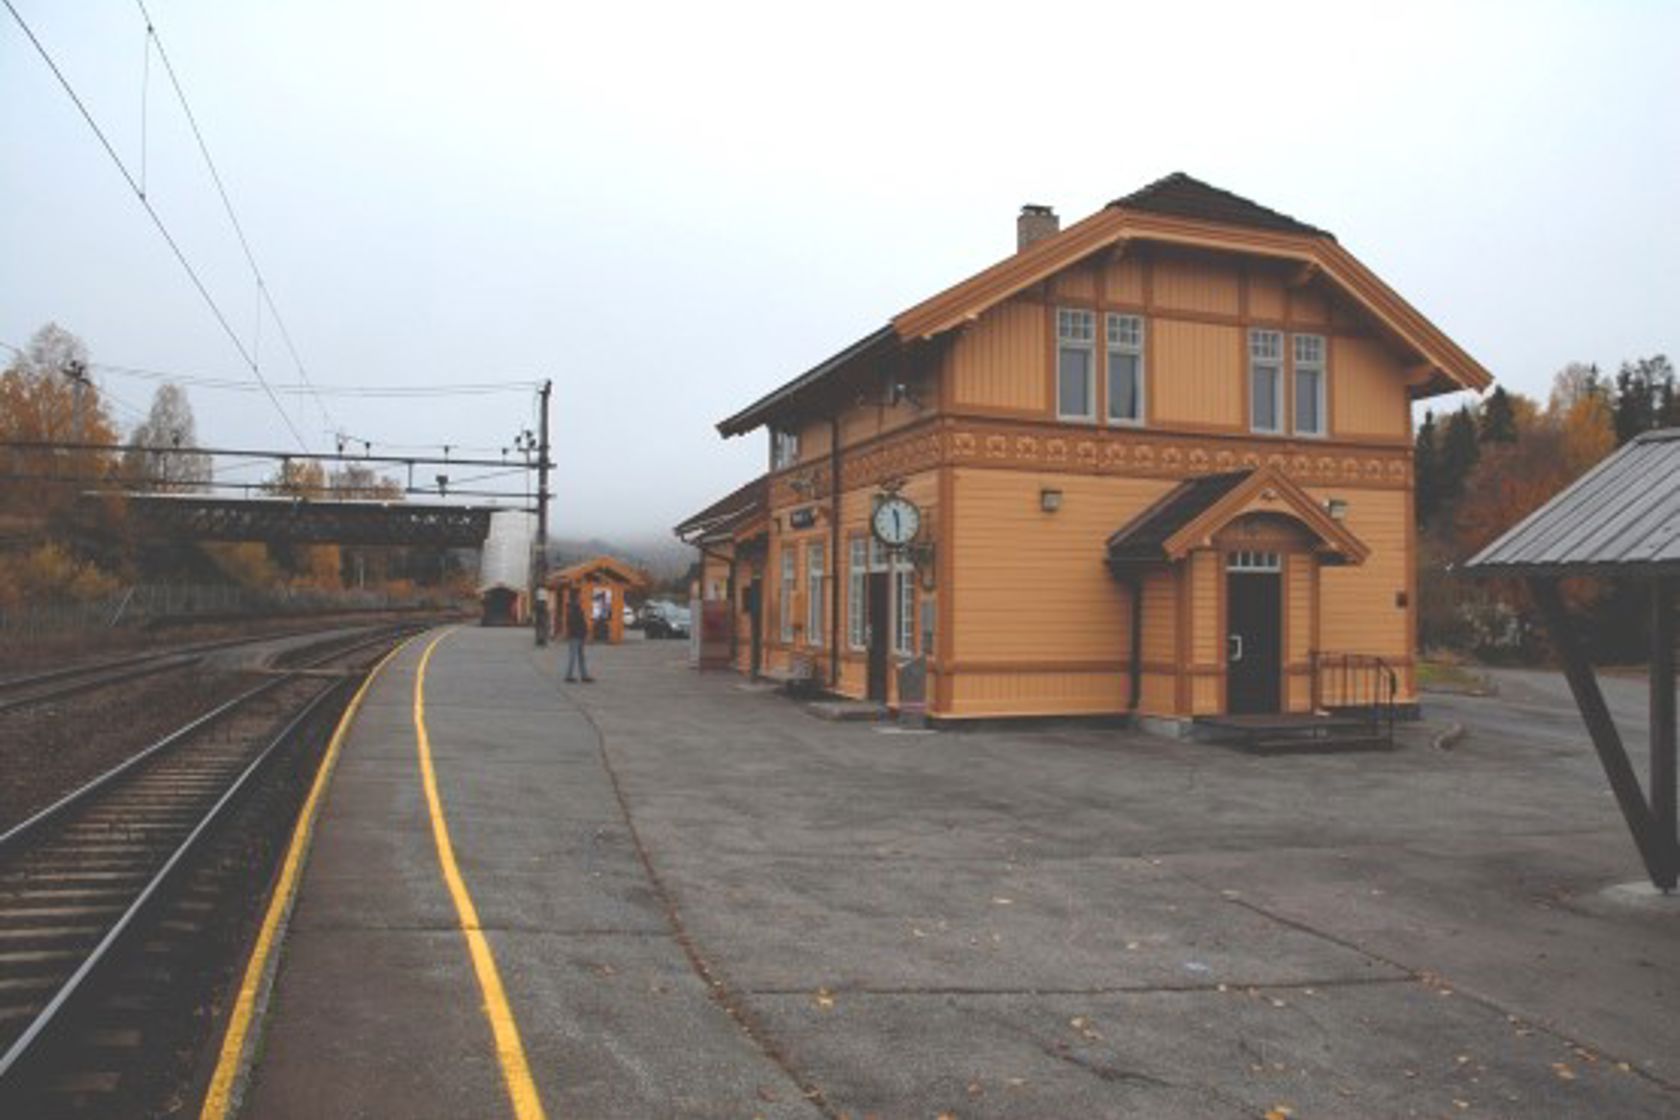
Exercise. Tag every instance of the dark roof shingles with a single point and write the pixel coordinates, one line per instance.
(1142, 539)
(1183, 196)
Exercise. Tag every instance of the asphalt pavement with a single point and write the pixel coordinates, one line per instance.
(706, 902)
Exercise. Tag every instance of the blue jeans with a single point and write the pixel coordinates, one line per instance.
(577, 665)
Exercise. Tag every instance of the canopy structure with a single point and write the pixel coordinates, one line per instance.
(1622, 517)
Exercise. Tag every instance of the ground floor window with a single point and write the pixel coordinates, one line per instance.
(904, 607)
(790, 584)
(814, 580)
(857, 577)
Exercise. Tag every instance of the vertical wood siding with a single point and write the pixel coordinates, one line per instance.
(1357, 609)
(1368, 390)
(1196, 374)
(999, 361)
(1194, 283)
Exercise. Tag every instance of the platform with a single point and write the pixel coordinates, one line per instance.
(375, 1009)
(1003, 922)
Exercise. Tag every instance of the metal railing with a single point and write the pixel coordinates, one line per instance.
(149, 603)
(1357, 684)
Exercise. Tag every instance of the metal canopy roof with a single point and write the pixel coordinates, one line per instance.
(1621, 516)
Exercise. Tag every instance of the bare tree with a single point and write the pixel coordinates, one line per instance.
(172, 461)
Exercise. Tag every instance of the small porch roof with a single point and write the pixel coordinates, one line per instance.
(601, 568)
(1188, 516)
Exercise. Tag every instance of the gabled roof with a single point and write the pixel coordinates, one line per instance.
(1176, 210)
(1188, 516)
(1621, 516)
(1183, 196)
(610, 567)
(729, 512)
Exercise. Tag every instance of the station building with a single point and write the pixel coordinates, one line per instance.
(1156, 464)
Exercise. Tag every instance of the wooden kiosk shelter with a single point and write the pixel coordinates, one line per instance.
(1621, 518)
(603, 582)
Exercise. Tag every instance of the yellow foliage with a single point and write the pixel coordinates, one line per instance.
(50, 572)
(245, 563)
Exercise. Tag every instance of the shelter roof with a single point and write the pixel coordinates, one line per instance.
(1621, 516)
(735, 509)
(1188, 516)
(1176, 210)
(602, 566)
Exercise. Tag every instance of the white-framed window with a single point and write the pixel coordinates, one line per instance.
(1076, 364)
(1309, 384)
(1265, 379)
(904, 608)
(790, 585)
(1247, 560)
(1125, 369)
(784, 449)
(878, 554)
(857, 582)
(814, 590)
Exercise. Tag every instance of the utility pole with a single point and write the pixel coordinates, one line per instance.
(540, 606)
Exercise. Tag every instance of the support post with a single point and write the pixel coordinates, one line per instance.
(1654, 849)
(539, 566)
(1663, 726)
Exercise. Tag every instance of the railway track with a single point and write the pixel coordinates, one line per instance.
(57, 684)
(111, 896)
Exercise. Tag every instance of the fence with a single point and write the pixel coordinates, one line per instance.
(149, 604)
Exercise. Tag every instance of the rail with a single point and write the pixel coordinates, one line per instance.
(21, 841)
(1362, 685)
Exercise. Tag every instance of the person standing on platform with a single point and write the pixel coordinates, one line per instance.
(577, 632)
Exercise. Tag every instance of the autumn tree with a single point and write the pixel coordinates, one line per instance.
(362, 566)
(310, 565)
(171, 460)
(46, 396)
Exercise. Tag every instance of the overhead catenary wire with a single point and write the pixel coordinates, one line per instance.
(265, 296)
(157, 219)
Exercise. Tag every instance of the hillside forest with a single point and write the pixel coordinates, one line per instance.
(1487, 465)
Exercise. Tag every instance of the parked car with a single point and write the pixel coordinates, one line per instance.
(665, 620)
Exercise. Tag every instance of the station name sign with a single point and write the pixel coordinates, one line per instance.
(802, 518)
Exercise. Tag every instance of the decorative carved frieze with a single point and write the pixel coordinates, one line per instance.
(1113, 451)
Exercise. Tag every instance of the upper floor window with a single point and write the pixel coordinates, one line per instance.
(1125, 369)
(1076, 361)
(1265, 380)
(1309, 384)
(784, 449)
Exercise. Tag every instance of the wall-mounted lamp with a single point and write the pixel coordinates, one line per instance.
(1049, 500)
(1336, 508)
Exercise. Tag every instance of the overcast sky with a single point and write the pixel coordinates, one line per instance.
(671, 210)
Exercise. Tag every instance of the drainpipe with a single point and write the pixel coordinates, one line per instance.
(1136, 584)
(834, 551)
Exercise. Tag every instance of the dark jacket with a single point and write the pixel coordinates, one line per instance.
(577, 626)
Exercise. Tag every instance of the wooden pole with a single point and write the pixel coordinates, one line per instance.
(1654, 849)
(1663, 726)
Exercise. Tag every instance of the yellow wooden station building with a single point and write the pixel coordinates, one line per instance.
(1156, 464)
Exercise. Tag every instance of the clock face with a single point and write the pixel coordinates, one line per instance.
(897, 522)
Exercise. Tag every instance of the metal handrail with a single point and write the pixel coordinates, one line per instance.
(1365, 681)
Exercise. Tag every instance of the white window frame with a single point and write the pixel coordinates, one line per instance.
(784, 449)
(904, 608)
(1251, 560)
(1076, 329)
(1319, 365)
(814, 579)
(1266, 357)
(1124, 335)
(790, 585)
(857, 583)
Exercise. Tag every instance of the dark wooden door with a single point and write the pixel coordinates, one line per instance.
(1254, 642)
(880, 635)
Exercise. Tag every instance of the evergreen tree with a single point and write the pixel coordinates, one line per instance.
(1645, 395)
(1498, 420)
(1459, 452)
(1426, 469)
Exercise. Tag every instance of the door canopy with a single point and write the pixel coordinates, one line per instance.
(1190, 515)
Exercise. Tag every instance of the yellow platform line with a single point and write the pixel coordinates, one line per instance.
(510, 1051)
(218, 1101)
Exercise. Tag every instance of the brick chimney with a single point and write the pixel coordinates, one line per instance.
(1034, 225)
